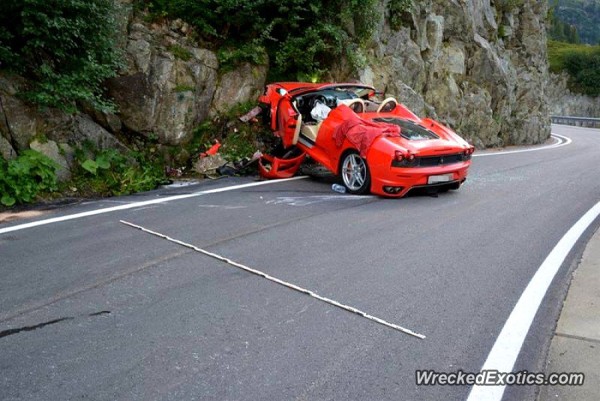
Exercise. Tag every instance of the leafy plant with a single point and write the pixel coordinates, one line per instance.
(230, 57)
(23, 178)
(108, 172)
(66, 48)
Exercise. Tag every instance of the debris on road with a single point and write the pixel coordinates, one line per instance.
(251, 115)
(207, 166)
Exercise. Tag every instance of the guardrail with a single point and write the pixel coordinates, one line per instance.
(576, 121)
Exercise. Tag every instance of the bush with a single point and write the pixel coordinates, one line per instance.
(65, 47)
(584, 69)
(581, 62)
(23, 178)
(303, 37)
(108, 172)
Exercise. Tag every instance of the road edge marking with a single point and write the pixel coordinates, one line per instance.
(140, 204)
(563, 141)
(507, 347)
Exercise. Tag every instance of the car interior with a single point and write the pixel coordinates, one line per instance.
(355, 98)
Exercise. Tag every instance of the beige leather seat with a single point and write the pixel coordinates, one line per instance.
(357, 105)
(387, 105)
(311, 130)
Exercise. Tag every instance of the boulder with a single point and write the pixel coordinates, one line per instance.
(52, 151)
(242, 84)
(168, 84)
(6, 150)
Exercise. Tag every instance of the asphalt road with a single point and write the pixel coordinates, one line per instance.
(147, 319)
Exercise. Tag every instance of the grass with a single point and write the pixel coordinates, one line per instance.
(180, 52)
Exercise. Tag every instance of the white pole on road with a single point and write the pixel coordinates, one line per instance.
(278, 281)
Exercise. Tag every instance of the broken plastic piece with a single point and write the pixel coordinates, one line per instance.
(213, 150)
(273, 167)
(338, 188)
(251, 114)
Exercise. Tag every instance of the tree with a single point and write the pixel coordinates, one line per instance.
(66, 48)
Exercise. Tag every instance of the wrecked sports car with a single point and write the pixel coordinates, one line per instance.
(372, 146)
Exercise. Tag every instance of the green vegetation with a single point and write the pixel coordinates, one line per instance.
(575, 21)
(66, 48)
(23, 178)
(508, 5)
(581, 62)
(238, 139)
(108, 172)
(397, 10)
(302, 38)
(561, 31)
(180, 52)
(570, 23)
(183, 88)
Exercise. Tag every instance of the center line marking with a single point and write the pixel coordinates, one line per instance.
(278, 281)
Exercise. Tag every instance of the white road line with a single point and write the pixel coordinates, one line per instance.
(563, 141)
(506, 349)
(139, 204)
(278, 281)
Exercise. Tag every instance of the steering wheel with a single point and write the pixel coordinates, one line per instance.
(318, 98)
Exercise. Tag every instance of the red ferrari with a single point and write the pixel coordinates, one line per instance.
(376, 146)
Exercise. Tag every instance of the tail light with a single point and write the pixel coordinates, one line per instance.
(403, 159)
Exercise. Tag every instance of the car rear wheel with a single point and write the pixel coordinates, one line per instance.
(354, 173)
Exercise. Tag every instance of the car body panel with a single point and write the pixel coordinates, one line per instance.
(287, 105)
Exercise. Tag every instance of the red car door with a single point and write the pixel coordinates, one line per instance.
(287, 121)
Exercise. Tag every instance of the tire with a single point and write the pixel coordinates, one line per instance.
(354, 173)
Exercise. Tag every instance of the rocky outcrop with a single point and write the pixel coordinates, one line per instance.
(563, 102)
(49, 131)
(477, 65)
(170, 84)
(57, 154)
(240, 85)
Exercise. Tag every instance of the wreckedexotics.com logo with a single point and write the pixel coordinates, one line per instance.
(496, 378)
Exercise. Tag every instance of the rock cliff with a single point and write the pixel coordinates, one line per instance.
(563, 102)
(478, 65)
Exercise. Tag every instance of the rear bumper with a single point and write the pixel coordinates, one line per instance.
(412, 178)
